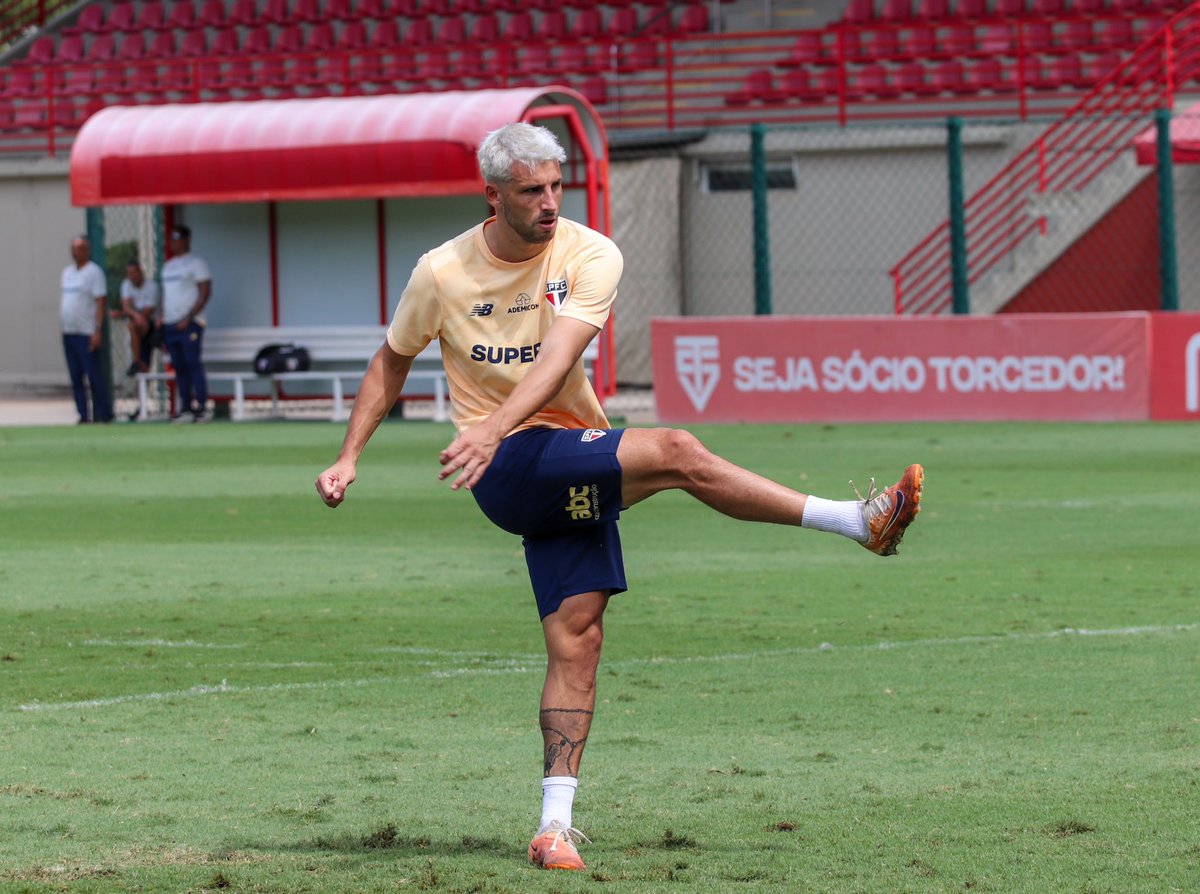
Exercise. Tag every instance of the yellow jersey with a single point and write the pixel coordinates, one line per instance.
(490, 317)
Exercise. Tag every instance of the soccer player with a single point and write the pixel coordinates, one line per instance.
(514, 302)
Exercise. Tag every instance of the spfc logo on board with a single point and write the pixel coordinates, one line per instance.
(697, 366)
(556, 293)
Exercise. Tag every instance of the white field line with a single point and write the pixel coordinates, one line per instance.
(490, 664)
(159, 644)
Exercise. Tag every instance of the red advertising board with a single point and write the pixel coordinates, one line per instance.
(1175, 366)
(858, 369)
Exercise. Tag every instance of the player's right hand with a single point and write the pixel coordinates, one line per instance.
(332, 483)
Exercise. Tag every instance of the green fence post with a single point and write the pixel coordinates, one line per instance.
(762, 236)
(961, 294)
(1168, 273)
(95, 235)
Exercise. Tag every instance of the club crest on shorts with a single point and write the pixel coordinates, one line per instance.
(556, 293)
(592, 434)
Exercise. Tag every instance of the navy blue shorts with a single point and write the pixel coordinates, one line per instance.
(560, 489)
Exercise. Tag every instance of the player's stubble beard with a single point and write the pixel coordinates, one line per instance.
(530, 232)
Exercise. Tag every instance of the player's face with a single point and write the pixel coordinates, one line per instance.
(80, 251)
(529, 202)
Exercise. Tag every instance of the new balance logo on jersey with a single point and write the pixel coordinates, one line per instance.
(592, 434)
(583, 502)
(481, 310)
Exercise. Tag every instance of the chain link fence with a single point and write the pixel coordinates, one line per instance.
(975, 217)
(120, 234)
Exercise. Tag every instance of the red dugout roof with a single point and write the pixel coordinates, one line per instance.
(417, 144)
(1185, 140)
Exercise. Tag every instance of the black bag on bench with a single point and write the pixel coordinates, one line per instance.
(281, 358)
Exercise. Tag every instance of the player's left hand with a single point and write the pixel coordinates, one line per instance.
(471, 452)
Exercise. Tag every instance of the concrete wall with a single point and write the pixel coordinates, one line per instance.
(36, 226)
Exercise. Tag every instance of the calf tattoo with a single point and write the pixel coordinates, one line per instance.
(564, 730)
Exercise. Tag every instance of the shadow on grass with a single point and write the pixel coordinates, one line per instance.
(390, 840)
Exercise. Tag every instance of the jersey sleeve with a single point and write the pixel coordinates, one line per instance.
(97, 285)
(200, 269)
(126, 290)
(418, 317)
(595, 285)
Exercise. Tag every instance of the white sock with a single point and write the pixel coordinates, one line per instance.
(558, 797)
(836, 517)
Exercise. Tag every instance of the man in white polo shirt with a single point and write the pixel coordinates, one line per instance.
(139, 306)
(84, 295)
(186, 286)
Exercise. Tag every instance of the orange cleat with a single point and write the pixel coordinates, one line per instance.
(889, 513)
(554, 848)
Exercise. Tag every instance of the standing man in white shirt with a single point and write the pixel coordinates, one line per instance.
(139, 306)
(84, 296)
(187, 286)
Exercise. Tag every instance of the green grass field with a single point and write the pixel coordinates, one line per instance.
(209, 681)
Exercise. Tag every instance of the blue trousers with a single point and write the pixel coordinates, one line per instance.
(191, 384)
(83, 362)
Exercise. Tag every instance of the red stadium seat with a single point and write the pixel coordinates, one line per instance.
(69, 49)
(758, 86)
(594, 89)
(103, 48)
(1115, 33)
(578, 58)
(991, 75)
(997, 40)
(1008, 9)
(276, 12)
(121, 17)
(552, 25)
(182, 15)
(956, 40)
(244, 12)
(869, 81)
(933, 10)
(90, 21)
(152, 16)
(808, 48)
(910, 78)
(289, 39)
(530, 60)
(420, 33)
(385, 35)
(519, 27)
(1097, 68)
(693, 19)
(949, 77)
(1047, 8)
(195, 43)
(1036, 36)
(1085, 7)
(623, 22)
(340, 11)
(353, 36)
(162, 46)
(451, 31)
(881, 43)
(918, 42)
(21, 82)
(485, 29)
(41, 51)
(211, 14)
(859, 12)
(637, 55)
(76, 80)
(1075, 35)
(587, 23)
(30, 113)
(971, 9)
(133, 47)
(896, 11)
(307, 11)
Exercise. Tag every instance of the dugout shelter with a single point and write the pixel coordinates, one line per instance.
(312, 212)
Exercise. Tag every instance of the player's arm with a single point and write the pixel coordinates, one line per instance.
(380, 388)
(473, 449)
(203, 293)
(98, 328)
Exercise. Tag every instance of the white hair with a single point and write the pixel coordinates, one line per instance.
(525, 144)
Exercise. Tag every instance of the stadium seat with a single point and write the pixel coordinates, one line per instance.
(307, 11)
(195, 43)
(244, 12)
(859, 12)
(949, 77)
(587, 23)
(133, 47)
(451, 31)
(795, 84)
(623, 22)
(20, 82)
(289, 39)
(276, 12)
(996, 40)
(909, 78)
(152, 16)
(693, 19)
(594, 89)
(519, 27)
(1008, 9)
(1097, 68)
(1085, 7)
(577, 58)
(420, 33)
(896, 11)
(211, 14)
(529, 60)
(103, 48)
(352, 36)
(76, 80)
(182, 15)
(1114, 33)
(41, 51)
(808, 48)
(1047, 8)
(484, 29)
(991, 75)
(552, 25)
(880, 43)
(758, 86)
(933, 10)
(970, 10)
(69, 49)
(637, 55)
(385, 35)
(90, 21)
(162, 46)
(121, 17)
(1036, 35)
(868, 81)
(917, 42)
(1075, 35)
(339, 11)
(29, 113)
(956, 40)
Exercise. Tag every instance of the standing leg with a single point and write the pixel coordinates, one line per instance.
(74, 349)
(173, 341)
(101, 404)
(574, 634)
(193, 346)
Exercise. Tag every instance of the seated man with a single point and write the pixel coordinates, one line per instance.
(139, 306)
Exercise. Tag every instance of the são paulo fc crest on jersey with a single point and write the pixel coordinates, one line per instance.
(556, 293)
(592, 434)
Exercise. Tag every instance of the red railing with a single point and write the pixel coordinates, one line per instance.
(986, 68)
(1002, 215)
